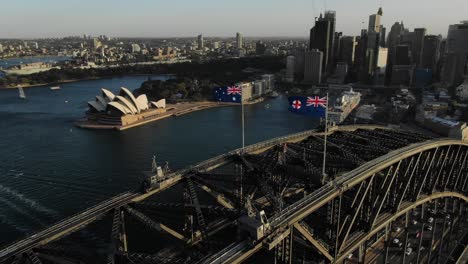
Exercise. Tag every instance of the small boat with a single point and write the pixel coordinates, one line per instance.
(54, 88)
(22, 95)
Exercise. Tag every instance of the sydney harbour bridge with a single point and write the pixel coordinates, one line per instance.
(387, 196)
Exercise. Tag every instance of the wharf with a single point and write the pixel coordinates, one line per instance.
(172, 110)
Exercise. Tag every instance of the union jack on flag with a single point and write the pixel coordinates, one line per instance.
(317, 101)
(233, 90)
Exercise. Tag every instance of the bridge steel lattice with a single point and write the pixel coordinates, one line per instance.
(388, 196)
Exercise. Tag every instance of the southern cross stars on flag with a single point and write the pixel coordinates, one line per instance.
(317, 101)
(233, 90)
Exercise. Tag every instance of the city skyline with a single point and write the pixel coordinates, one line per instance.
(143, 18)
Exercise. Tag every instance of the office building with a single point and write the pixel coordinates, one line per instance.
(347, 50)
(374, 21)
(431, 52)
(418, 45)
(320, 39)
(402, 55)
(313, 62)
(383, 35)
(457, 55)
(239, 41)
(200, 42)
(382, 60)
(299, 56)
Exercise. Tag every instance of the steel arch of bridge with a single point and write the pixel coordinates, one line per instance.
(382, 190)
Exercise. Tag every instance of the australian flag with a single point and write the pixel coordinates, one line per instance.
(310, 106)
(229, 94)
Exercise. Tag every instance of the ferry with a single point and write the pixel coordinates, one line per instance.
(54, 88)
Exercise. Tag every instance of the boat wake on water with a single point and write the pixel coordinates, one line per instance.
(31, 203)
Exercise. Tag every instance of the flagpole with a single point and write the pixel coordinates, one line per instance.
(324, 174)
(242, 106)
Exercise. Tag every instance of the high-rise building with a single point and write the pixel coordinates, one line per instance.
(383, 35)
(239, 41)
(374, 22)
(337, 47)
(320, 39)
(1, 47)
(35, 45)
(290, 63)
(299, 55)
(347, 50)
(313, 62)
(455, 65)
(216, 45)
(417, 45)
(373, 45)
(402, 55)
(331, 16)
(201, 44)
(382, 59)
(431, 52)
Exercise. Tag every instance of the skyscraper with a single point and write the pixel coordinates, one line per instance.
(417, 45)
(239, 40)
(431, 52)
(331, 17)
(347, 50)
(313, 62)
(374, 21)
(201, 44)
(373, 44)
(320, 39)
(455, 66)
(383, 35)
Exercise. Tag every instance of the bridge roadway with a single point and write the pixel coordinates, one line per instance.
(66, 226)
(297, 211)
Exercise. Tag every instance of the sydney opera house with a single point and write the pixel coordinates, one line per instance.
(123, 109)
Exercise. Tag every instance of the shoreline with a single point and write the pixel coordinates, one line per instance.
(78, 80)
(192, 107)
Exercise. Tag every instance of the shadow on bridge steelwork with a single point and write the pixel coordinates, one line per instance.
(388, 196)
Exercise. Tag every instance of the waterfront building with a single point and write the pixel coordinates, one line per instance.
(269, 82)
(201, 44)
(123, 109)
(290, 63)
(457, 54)
(431, 52)
(259, 87)
(247, 90)
(313, 66)
(239, 41)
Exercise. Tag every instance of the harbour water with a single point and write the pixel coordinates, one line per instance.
(50, 169)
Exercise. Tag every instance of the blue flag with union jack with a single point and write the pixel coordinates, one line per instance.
(308, 105)
(229, 94)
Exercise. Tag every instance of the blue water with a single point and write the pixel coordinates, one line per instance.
(5, 63)
(50, 169)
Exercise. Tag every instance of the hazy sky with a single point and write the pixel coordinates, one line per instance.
(158, 18)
